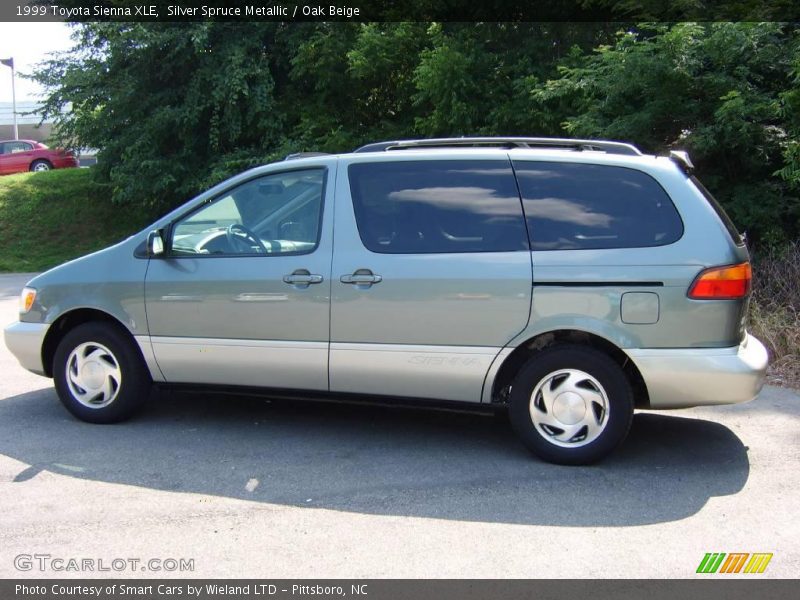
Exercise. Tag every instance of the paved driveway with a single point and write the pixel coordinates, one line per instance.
(248, 487)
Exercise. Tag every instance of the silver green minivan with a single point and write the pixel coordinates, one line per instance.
(567, 281)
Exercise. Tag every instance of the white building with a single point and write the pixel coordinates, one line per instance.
(28, 124)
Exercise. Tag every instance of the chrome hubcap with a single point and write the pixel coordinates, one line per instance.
(569, 408)
(93, 375)
(41, 167)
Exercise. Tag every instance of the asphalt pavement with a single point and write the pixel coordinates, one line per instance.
(248, 487)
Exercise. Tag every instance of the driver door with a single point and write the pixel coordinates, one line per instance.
(241, 297)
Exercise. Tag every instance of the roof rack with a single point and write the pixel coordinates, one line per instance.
(297, 155)
(505, 142)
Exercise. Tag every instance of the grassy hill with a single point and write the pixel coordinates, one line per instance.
(48, 218)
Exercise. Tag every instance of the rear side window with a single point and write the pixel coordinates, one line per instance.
(14, 147)
(419, 207)
(572, 206)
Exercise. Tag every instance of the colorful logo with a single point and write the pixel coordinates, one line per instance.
(735, 562)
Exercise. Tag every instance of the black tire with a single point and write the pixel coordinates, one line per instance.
(41, 165)
(602, 381)
(110, 351)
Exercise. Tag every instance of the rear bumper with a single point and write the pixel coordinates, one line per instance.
(25, 340)
(702, 376)
(65, 162)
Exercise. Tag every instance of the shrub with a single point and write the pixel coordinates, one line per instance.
(775, 310)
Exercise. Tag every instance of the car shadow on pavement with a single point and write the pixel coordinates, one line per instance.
(377, 460)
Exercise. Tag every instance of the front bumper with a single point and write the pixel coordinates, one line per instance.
(702, 376)
(25, 342)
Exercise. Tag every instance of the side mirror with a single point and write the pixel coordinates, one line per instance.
(155, 243)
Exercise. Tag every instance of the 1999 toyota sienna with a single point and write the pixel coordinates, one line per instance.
(570, 281)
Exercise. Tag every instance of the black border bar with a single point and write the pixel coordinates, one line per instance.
(400, 10)
(399, 589)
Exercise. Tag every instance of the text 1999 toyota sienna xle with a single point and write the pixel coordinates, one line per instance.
(570, 281)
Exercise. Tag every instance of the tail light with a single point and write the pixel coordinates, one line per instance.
(722, 283)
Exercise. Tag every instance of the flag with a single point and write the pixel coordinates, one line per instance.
(9, 62)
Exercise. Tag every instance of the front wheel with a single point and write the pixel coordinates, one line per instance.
(571, 405)
(99, 374)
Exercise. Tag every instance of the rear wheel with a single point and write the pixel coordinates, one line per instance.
(99, 374)
(41, 165)
(571, 405)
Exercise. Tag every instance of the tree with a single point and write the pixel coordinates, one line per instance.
(168, 106)
(174, 108)
(477, 78)
(719, 90)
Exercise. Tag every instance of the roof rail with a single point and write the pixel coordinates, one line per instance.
(297, 155)
(505, 142)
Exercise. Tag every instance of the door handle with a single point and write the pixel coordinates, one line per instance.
(302, 278)
(363, 277)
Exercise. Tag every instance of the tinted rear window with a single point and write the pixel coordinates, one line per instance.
(418, 207)
(572, 206)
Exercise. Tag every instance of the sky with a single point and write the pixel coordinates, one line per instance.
(28, 43)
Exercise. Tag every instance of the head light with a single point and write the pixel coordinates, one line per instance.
(26, 299)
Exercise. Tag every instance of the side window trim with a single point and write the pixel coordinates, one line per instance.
(169, 229)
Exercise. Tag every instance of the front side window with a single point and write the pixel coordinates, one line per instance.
(269, 215)
(423, 207)
(574, 206)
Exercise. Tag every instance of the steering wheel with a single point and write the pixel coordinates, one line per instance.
(239, 234)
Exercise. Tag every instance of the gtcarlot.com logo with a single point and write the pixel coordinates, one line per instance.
(735, 562)
(48, 562)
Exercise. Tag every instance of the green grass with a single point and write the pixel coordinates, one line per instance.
(48, 218)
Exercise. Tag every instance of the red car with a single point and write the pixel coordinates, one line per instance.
(17, 156)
